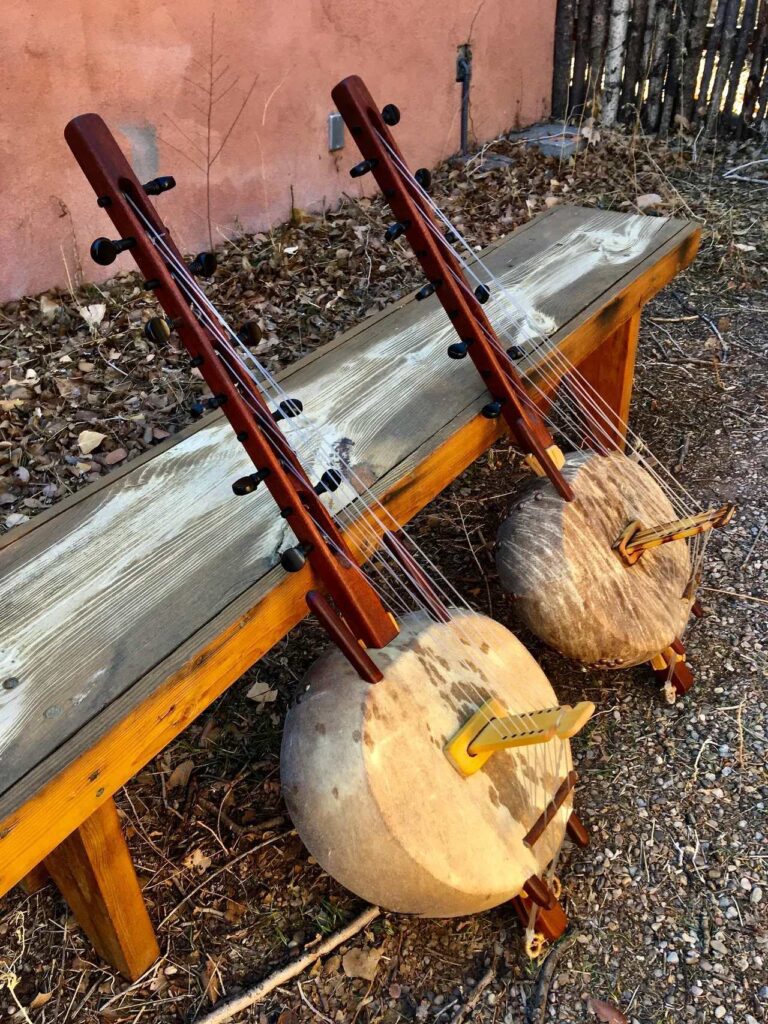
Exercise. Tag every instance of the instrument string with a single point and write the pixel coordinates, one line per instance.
(194, 293)
(591, 403)
(524, 315)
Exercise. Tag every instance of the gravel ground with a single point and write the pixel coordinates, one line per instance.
(668, 904)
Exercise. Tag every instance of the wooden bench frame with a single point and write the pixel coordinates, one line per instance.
(69, 828)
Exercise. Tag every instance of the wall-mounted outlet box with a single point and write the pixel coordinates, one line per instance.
(335, 132)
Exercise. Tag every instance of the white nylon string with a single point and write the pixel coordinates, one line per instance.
(604, 418)
(218, 326)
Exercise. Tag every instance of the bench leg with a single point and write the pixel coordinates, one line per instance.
(610, 369)
(35, 879)
(94, 873)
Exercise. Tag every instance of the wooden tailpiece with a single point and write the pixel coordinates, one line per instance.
(445, 276)
(142, 231)
(551, 809)
(550, 919)
(671, 667)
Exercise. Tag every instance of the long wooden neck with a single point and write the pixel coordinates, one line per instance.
(241, 401)
(446, 277)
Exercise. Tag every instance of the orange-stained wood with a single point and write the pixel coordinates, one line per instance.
(35, 880)
(220, 652)
(94, 873)
(610, 370)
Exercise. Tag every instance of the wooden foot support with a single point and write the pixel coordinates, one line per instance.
(610, 369)
(670, 666)
(550, 923)
(93, 870)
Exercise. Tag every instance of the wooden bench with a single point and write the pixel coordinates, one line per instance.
(128, 608)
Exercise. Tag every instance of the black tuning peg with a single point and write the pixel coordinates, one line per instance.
(362, 168)
(390, 115)
(105, 251)
(423, 178)
(459, 349)
(482, 294)
(492, 411)
(395, 230)
(515, 352)
(250, 333)
(203, 265)
(248, 484)
(294, 558)
(158, 185)
(287, 409)
(157, 329)
(196, 410)
(451, 237)
(329, 481)
(216, 402)
(425, 292)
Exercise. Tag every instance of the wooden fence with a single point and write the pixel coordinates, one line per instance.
(699, 65)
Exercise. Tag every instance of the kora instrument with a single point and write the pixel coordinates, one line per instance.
(403, 714)
(595, 550)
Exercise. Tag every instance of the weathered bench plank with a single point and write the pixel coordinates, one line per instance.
(130, 607)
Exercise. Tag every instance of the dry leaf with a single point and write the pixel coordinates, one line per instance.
(361, 963)
(211, 980)
(607, 1012)
(197, 861)
(261, 693)
(650, 199)
(93, 315)
(49, 307)
(743, 247)
(180, 774)
(89, 440)
(40, 1000)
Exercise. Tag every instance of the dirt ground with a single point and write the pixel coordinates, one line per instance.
(668, 904)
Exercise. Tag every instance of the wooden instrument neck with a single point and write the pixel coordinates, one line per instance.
(445, 275)
(234, 390)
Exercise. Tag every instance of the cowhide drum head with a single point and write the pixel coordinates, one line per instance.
(571, 588)
(374, 797)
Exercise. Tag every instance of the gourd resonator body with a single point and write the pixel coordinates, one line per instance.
(373, 796)
(571, 588)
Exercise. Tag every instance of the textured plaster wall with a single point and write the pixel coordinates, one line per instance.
(144, 66)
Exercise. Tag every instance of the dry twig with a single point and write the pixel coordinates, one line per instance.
(255, 994)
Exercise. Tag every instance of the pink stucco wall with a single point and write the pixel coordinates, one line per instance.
(134, 62)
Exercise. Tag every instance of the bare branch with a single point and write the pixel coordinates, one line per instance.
(182, 152)
(237, 117)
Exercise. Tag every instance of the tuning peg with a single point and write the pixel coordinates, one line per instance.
(250, 333)
(203, 265)
(515, 352)
(482, 294)
(459, 349)
(362, 168)
(424, 178)
(157, 329)
(105, 251)
(196, 410)
(395, 230)
(390, 115)
(216, 402)
(451, 237)
(329, 481)
(294, 558)
(425, 292)
(248, 484)
(158, 185)
(492, 410)
(287, 409)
